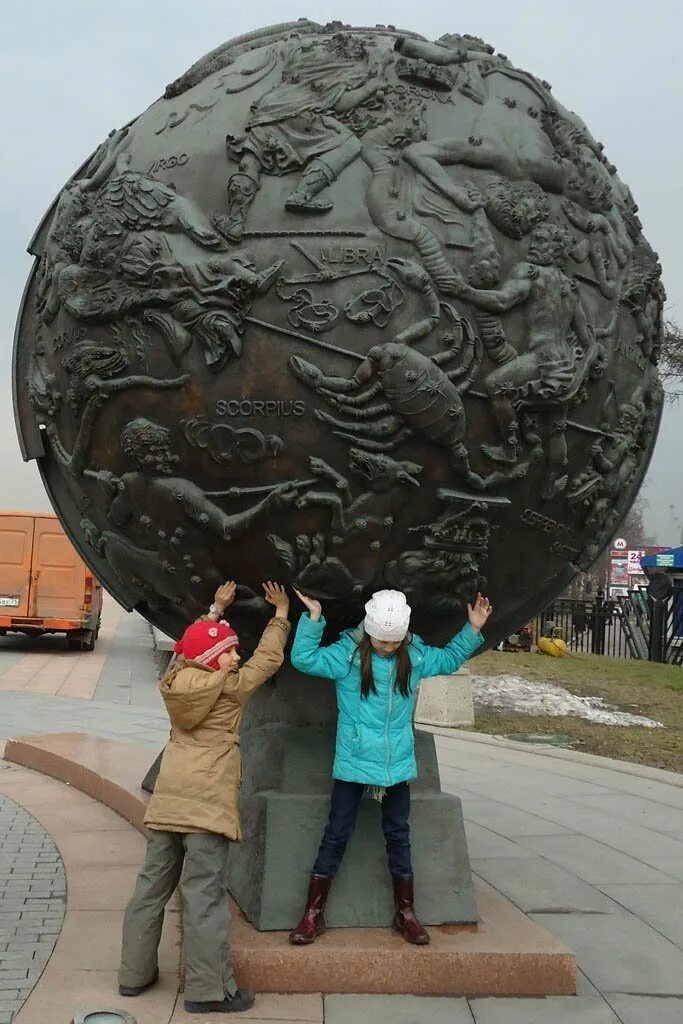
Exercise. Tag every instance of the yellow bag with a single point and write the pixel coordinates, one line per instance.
(553, 646)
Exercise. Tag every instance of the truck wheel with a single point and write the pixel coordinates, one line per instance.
(88, 638)
(81, 640)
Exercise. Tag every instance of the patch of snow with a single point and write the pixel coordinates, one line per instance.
(515, 694)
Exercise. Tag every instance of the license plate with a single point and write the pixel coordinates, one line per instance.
(8, 602)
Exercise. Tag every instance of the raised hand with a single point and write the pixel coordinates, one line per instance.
(314, 607)
(276, 595)
(479, 611)
(225, 595)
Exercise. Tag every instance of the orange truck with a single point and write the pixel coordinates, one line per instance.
(44, 586)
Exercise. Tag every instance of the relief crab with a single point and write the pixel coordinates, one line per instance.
(419, 396)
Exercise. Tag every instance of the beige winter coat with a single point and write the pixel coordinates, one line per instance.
(199, 781)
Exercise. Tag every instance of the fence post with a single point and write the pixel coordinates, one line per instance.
(657, 630)
(659, 591)
(598, 624)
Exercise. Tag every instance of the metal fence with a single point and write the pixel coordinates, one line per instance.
(630, 626)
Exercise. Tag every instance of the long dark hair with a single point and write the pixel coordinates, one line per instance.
(403, 668)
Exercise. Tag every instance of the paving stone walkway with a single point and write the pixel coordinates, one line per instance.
(32, 904)
(590, 848)
(111, 692)
(25, 714)
(121, 670)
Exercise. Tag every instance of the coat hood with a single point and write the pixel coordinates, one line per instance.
(190, 691)
(198, 788)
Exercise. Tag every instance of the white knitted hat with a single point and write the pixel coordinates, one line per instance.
(387, 615)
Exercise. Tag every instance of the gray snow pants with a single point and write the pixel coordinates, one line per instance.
(196, 863)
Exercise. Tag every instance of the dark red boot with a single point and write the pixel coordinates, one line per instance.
(405, 921)
(312, 924)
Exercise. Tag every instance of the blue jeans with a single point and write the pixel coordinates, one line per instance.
(343, 812)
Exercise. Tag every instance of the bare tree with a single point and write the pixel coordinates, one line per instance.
(671, 360)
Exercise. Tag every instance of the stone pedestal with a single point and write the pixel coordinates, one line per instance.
(446, 701)
(287, 742)
(162, 642)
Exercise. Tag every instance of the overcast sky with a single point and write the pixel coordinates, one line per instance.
(75, 69)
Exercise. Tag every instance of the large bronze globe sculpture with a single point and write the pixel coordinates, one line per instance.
(348, 309)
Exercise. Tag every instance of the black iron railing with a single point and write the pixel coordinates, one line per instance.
(629, 626)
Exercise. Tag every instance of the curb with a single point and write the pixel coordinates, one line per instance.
(640, 771)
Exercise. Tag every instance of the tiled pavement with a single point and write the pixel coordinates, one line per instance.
(32, 904)
(592, 849)
(100, 853)
(110, 692)
(42, 664)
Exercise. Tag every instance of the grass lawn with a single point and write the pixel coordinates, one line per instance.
(655, 691)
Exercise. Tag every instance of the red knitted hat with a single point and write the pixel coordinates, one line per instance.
(205, 641)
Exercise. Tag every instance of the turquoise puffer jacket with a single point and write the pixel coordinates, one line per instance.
(375, 742)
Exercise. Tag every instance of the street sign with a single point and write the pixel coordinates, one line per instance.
(620, 544)
(665, 559)
(618, 575)
(634, 557)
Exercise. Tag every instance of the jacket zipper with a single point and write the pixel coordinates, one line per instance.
(387, 741)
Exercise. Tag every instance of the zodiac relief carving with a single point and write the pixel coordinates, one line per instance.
(444, 578)
(552, 370)
(294, 127)
(122, 243)
(643, 296)
(465, 525)
(157, 519)
(454, 547)
(314, 568)
(93, 372)
(151, 483)
(314, 315)
(614, 460)
(375, 306)
(384, 301)
(378, 506)
(174, 120)
(42, 388)
(225, 443)
(515, 208)
(368, 519)
(417, 394)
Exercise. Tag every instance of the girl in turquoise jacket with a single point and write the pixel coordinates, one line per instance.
(377, 669)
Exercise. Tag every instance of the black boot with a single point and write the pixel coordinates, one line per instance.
(312, 924)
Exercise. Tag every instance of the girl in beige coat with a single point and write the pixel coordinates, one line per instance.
(194, 813)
